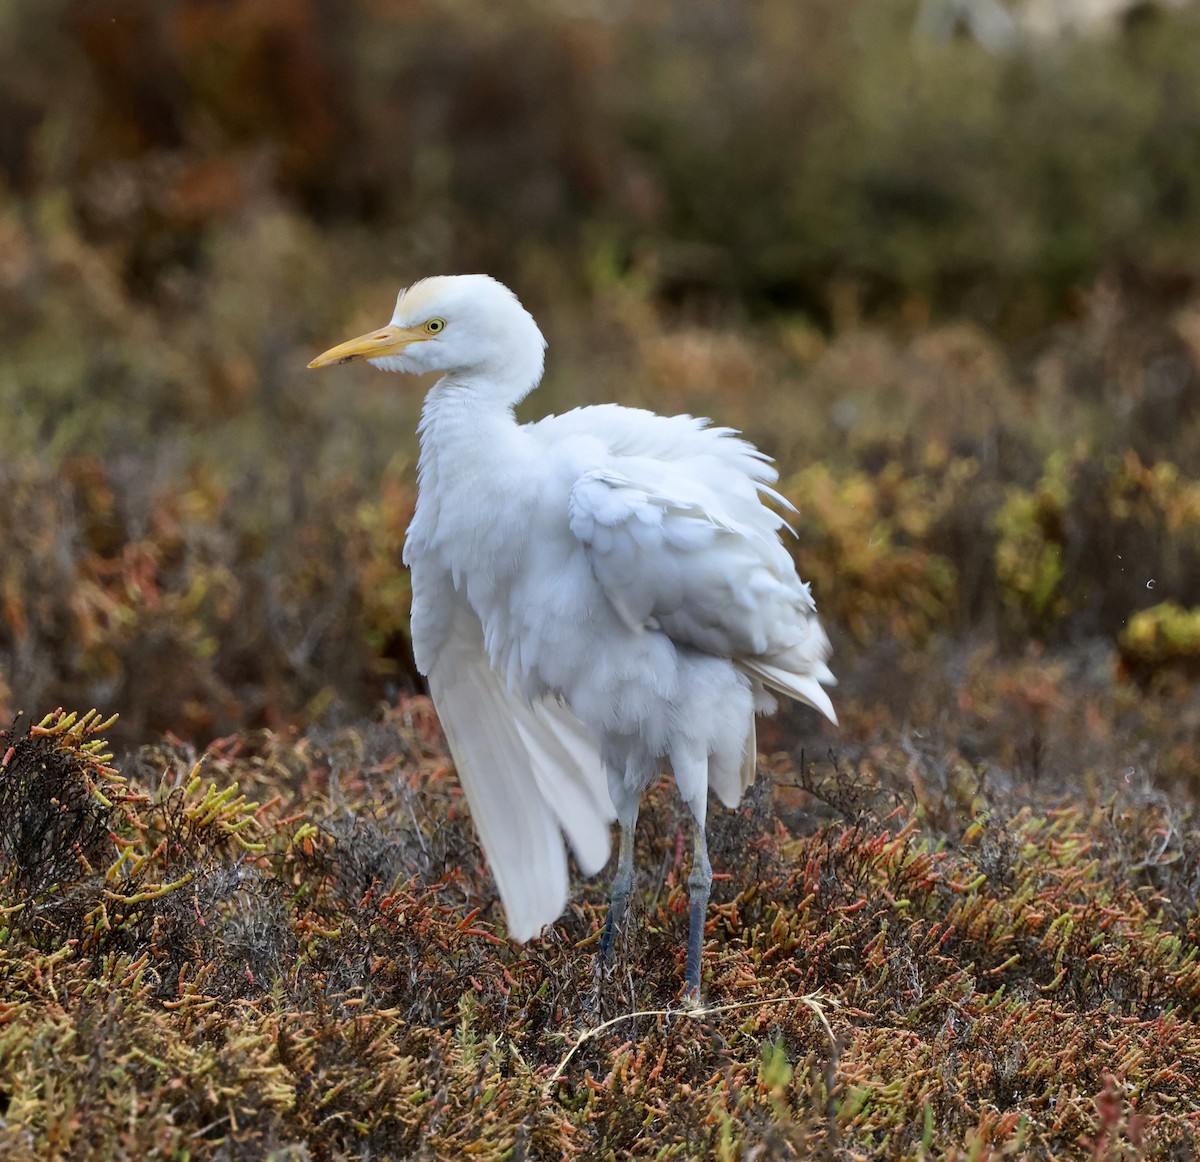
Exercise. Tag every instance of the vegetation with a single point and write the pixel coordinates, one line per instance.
(930, 967)
(954, 293)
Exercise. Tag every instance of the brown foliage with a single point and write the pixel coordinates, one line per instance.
(326, 972)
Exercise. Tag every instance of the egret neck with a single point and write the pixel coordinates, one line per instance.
(473, 467)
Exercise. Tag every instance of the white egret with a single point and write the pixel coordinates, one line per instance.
(593, 594)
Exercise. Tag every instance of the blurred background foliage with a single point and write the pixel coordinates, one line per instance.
(950, 283)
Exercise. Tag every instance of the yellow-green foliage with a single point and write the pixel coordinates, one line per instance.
(142, 847)
(1164, 633)
(1110, 529)
(1154, 494)
(865, 545)
(1160, 496)
(1031, 533)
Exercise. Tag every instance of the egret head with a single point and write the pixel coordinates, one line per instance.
(467, 325)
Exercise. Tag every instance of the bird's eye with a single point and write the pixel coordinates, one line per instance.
(435, 325)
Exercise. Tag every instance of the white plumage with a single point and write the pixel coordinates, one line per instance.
(593, 594)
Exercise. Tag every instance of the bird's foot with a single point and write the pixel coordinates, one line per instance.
(602, 962)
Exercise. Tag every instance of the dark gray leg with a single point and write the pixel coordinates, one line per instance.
(622, 885)
(700, 882)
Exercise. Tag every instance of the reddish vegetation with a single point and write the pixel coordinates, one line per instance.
(325, 969)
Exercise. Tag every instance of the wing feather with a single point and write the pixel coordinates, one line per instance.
(681, 563)
(571, 778)
(679, 540)
(803, 687)
(529, 773)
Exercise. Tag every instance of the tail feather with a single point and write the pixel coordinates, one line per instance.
(804, 688)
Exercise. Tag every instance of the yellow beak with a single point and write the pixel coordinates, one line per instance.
(388, 340)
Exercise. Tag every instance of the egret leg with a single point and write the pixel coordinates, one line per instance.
(622, 885)
(700, 883)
